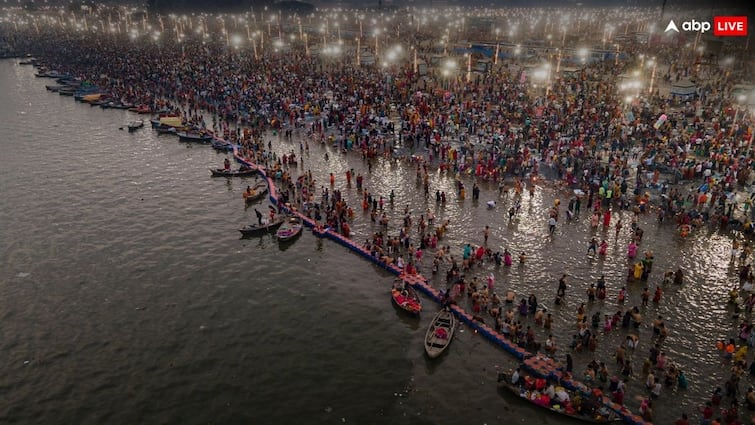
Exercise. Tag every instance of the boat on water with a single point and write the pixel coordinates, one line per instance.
(141, 109)
(439, 333)
(112, 104)
(291, 228)
(256, 193)
(50, 74)
(135, 125)
(191, 136)
(167, 120)
(550, 395)
(221, 145)
(241, 172)
(405, 297)
(165, 129)
(67, 91)
(93, 99)
(267, 226)
(55, 87)
(86, 92)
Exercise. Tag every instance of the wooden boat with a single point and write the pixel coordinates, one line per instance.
(590, 408)
(55, 87)
(115, 104)
(141, 109)
(87, 94)
(256, 193)
(291, 228)
(165, 129)
(96, 99)
(406, 298)
(186, 136)
(241, 172)
(221, 145)
(267, 226)
(135, 125)
(439, 333)
(168, 121)
(50, 74)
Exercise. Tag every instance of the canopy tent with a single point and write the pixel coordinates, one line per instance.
(683, 88)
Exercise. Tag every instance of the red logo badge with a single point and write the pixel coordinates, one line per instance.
(730, 26)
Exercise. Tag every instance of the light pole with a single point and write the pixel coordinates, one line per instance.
(359, 51)
(497, 46)
(254, 45)
(415, 68)
(563, 37)
(469, 66)
(652, 75)
(449, 68)
(740, 100)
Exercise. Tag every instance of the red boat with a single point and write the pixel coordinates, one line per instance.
(406, 298)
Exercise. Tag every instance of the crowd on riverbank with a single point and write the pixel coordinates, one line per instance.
(493, 129)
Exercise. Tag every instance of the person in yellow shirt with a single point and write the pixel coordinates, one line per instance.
(638, 267)
(740, 354)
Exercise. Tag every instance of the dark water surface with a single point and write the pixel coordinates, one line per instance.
(127, 296)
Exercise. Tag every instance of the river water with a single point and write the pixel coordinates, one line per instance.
(127, 296)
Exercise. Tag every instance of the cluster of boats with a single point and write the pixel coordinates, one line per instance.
(583, 406)
(171, 124)
(441, 329)
(286, 228)
(86, 92)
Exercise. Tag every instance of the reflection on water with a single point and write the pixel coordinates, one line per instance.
(126, 283)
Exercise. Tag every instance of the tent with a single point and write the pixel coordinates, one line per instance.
(683, 88)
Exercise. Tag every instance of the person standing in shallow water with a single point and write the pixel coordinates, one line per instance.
(561, 286)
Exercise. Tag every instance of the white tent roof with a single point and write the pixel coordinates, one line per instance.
(683, 88)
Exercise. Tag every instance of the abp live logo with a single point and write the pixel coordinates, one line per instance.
(730, 26)
(723, 26)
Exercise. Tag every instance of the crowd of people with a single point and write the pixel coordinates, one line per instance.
(581, 137)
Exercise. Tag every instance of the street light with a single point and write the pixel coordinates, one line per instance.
(497, 46)
(652, 63)
(583, 52)
(236, 41)
(740, 100)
